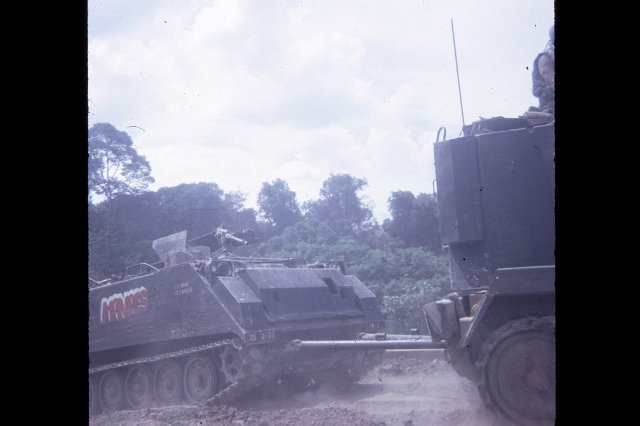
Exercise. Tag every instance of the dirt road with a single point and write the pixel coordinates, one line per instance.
(402, 391)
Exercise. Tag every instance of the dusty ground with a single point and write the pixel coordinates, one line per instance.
(402, 391)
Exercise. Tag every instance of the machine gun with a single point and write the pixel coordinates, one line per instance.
(227, 239)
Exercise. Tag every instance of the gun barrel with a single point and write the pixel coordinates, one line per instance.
(420, 342)
(233, 237)
(224, 234)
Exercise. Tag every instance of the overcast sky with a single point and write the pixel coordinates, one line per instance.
(242, 92)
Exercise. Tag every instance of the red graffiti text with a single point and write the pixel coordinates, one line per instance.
(123, 305)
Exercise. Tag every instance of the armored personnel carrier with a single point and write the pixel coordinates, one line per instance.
(201, 327)
(495, 198)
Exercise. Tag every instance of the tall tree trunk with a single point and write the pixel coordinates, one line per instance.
(109, 272)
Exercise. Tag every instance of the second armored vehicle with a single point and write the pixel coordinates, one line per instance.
(496, 188)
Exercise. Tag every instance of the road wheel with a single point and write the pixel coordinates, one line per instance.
(111, 391)
(167, 382)
(137, 387)
(517, 369)
(200, 379)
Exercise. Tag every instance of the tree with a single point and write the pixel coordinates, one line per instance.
(339, 203)
(197, 208)
(278, 204)
(426, 217)
(414, 220)
(115, 167)
(402, 225)
(236, 216)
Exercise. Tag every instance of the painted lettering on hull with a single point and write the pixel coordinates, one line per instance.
(120, 306)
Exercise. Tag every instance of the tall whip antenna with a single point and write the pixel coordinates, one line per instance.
(455, 53)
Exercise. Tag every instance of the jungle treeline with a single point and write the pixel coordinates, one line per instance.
(401, 259)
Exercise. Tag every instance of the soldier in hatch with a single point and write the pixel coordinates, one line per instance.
(543, 75)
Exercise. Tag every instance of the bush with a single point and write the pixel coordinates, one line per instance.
(405, 298)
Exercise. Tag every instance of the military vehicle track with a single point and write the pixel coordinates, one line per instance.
(113, 387)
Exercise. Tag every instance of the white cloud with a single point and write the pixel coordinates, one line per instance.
(223, 17)
(242, 92)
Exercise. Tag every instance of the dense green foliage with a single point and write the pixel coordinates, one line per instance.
(339, 204)
(400, 261)
(137, 220)
(414, 219)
